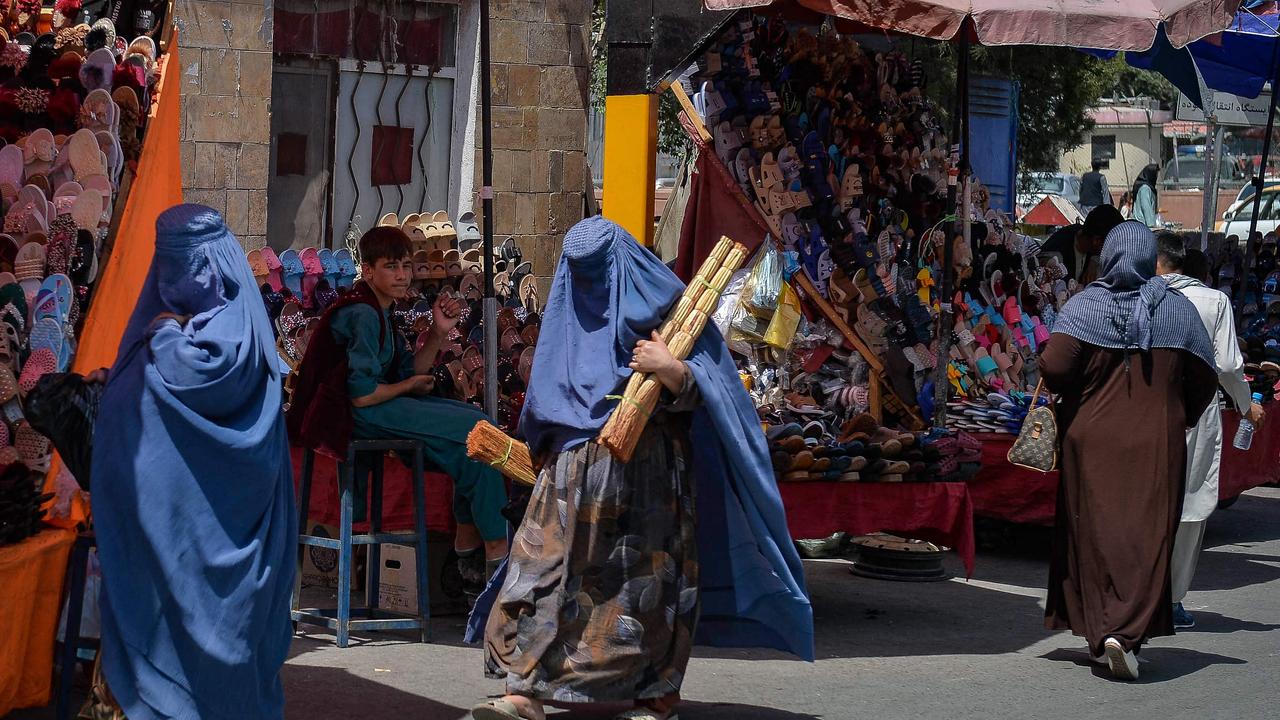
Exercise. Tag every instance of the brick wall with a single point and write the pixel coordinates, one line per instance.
(225, 50)
(539, 76)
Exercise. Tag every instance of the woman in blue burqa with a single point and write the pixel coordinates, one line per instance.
(618, 569)
(193, 494)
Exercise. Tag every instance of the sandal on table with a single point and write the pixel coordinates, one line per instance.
(497, 709)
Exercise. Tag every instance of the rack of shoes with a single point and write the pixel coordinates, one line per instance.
(74, 100)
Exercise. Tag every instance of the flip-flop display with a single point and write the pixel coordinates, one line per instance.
(60, 179)
(297, 286)
(842, 154)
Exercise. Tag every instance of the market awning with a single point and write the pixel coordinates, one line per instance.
(1103, 24)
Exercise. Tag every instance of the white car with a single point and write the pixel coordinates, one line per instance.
(1043, 184)
(1237, 218)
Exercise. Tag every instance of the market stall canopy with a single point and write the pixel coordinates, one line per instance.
(1103, 24)
(1240, 60)
(1053, 211)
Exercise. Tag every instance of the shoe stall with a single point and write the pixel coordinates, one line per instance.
(1248, 275)
(889, 324)
(841, 190)
(88, 159)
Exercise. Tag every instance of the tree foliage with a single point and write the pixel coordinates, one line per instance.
(672, 139)
(1056, 89)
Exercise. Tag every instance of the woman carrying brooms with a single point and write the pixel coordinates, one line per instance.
(616, 571)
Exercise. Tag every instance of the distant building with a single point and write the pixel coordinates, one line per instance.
(1125, 138)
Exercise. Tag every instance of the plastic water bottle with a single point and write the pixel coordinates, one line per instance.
(1244, 434)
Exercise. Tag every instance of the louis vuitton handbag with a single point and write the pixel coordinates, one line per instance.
(1037, 445)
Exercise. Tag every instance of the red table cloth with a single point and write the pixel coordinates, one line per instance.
(1008, 492)
(941, 513)
(397, 496)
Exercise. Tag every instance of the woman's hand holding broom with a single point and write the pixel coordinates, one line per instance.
(653, 356)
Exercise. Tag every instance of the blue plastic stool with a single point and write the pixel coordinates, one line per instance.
(369, 617)
(72, 643)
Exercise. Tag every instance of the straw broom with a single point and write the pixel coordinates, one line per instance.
(489, 445)
(627, 422)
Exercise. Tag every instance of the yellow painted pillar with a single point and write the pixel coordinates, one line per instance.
(630, 162)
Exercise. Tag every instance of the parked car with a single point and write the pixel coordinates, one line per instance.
(1236, 220)
(1187, 173)
(1246, 191)
(1043, 184)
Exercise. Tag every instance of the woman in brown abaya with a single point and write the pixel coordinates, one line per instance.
(1133, 368)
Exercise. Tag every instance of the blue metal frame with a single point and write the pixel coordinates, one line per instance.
(369, 617)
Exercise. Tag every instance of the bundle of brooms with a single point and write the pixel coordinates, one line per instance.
(683, 326)
(487, 444)
(626, 424)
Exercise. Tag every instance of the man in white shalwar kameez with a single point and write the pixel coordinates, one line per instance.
(1182, 268)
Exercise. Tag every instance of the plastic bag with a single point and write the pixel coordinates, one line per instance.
(730, 300)
(786, 319)
(764, 283)
(63, 407)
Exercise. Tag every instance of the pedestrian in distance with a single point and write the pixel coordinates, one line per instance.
(1187, 271)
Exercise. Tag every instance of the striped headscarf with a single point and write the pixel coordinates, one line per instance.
(1130, 307)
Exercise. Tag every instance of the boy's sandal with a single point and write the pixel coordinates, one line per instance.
(498, 709)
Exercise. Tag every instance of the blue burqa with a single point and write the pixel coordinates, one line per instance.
(609, 293)
(193, 493)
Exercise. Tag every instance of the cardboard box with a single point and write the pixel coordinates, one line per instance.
(320, 565)
(397, 579)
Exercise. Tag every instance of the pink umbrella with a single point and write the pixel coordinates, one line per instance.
(1102, 24)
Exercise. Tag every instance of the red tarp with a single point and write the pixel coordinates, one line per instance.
(397, 496)
(1103, 24)
(1008, 492)
(716, 207)
(938, 512)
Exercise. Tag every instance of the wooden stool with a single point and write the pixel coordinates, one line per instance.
(369, 617)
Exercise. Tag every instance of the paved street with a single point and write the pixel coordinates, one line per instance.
(953, 649)
(888, 650)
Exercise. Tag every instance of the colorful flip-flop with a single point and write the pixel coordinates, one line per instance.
(274, 268)
(332, 269)
(347, 268)
(292, 271)
(47, 334)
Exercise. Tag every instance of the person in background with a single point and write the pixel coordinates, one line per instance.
(193, 491)
(1126, 205)
(1146, 209)
(1125, 347)
(1079, 245)
(1093, 189)
(1187, 271)
(360, 379)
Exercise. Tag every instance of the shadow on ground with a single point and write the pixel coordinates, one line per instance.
(1161, 664)
(334, 692)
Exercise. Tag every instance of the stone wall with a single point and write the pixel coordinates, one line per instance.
(540, 85)
(225, 52)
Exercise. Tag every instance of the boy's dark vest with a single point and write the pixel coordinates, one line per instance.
(319, 416)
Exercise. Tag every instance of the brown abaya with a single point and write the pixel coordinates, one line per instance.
(1123, 454)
